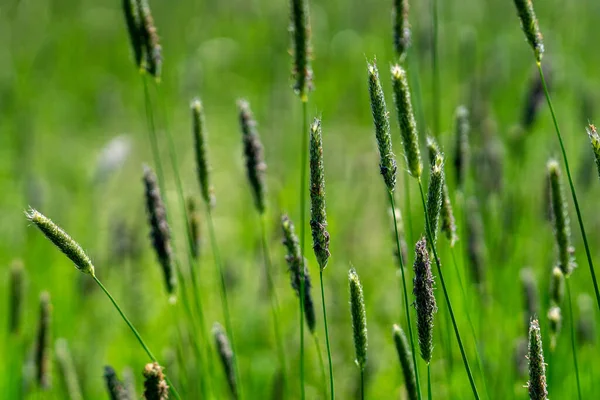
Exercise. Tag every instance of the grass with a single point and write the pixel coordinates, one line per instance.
(68, 87)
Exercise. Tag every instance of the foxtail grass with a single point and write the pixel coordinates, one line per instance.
(387, 168)
(537, 367)
(68, 370)
(114, 387)
(359, 325)
(83, 263)
(405, 357)
(227, 357)
(43, 360)
(155, 386)
(401, 29)
(530, 26)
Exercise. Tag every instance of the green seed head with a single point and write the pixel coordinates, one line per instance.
(401, 28)
(562, 229)
(405, 356)
(595, 141)
(434, 194)
(462, 150)
(530, 295)
(537, 367)
(227, 357)
(557, 286)
(318, 220)
(406, 121)
(387, 161)
(253, 153)
(132, 20)
(150, 40)
(62, 240)
(194, 218)
(529, 23)
(114, 387)
(301, 50)
(17, 292)
(298, 270)
(446, 213)
(155, 385)
(43, 361)
(359, 319)
(159, 228)
(555, 324)
(201, 146)
(424, 299)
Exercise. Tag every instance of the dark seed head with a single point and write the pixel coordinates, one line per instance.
(359, 319)
(43, 361)
(155, 385)
(253, 153)
(114, 387)
(194, 219)
(159, 228)
(227, 357)
(537, 367)
(405, 356)
(301, 50)
(530, 27)
(150, 40)
(318, 220)
(132, 20)
(401, 28)
(462, 149)
(424, 299)
(201, 147)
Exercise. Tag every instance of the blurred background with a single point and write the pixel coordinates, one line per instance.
(73, 139)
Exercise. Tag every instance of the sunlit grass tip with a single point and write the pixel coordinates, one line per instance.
(530, 26)
(406, 121)
(405, 357)
(425, 303)
(387, 160)
(318, 220)
(155, 385)
(62, 240)
(159, 228)
(359, 318)
(253, 154)
(201, 150)
(537, 367)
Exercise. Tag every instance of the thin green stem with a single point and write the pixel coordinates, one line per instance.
(408, 322)
(441, 276)
(471, 326)
(435, 78)
(135, 332)
(274, 300)
(331, 386)
(223, 292)
(573, 347)
(564, 154)
(362, 384)
(429, 394)
(303, 167)
(322, 364)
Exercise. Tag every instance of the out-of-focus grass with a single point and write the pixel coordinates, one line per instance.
(68, 86)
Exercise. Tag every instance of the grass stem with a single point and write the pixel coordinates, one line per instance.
(321, 364)
(429, 394)
(573, 347)
(441, 276)
(362, 384)
(331, 385)
(406, 309)
(572, 187)
(435, 78)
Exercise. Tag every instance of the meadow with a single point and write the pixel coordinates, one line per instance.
(82, 127)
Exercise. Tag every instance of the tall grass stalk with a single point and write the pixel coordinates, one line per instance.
(274, 300)
(435, 69)
(572, 187)
(331, 385)
(223, 293)
(429, 394)
(135, 332)
(448, 303)
(573, 345)
(406, 309)
(321, 364)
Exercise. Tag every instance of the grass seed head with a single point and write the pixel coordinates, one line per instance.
(535, 100)
(201, 147)
(17, 293)
(434, 195)
(557, 286)
(401, 28)
(537, 367)
(194, 218)
(301, 49)
(425, 304)
(387, 160)
(406, 121)
(359, 319)
(155, 385)
(114, 387)
(530, 26)
(446, 213)
(405, 356)
(62, 240)
(159, 228)
(253, 153)
(530, 295)
(132, 15)
(67, 367)
(462, 149)
(554, 324)
(298, 270)
(150, 40)
(595, 141)
(226, 355)
(43, 359)
(318, 220)
(562, 229)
